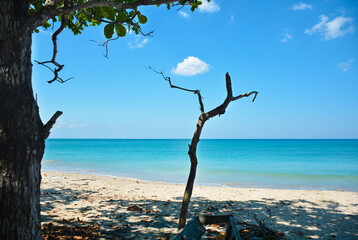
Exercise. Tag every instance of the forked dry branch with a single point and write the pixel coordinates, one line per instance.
(204, 116)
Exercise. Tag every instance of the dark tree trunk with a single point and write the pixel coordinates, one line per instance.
(21, 130)
(193, 166)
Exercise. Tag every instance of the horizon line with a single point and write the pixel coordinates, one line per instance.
(204, 138)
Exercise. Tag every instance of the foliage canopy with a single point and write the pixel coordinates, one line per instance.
(119, 16)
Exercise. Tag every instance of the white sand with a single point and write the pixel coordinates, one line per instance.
(105, 200)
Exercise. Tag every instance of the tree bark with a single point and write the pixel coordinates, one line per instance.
(193, 166)
(22, 139)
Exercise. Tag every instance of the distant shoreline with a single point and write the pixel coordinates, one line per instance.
(224, 185)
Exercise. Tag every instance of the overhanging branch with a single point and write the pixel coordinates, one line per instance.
(105, 43)
(54, 54)
(48, 12)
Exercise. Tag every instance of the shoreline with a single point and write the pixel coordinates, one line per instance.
(147, 210)
(228, 184)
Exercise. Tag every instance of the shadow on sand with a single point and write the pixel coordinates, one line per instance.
(151, 219)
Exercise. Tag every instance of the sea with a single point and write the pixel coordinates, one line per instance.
(280, 164)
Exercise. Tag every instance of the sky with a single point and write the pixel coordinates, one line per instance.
(301, 56)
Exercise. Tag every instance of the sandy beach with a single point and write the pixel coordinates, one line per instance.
(124, 208)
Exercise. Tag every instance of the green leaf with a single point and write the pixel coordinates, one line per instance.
(121, 17)
(108, 12)
(121, 30)
(108, 30)
(36, 30)
(46, 25)
(132, 13)
(142, 19)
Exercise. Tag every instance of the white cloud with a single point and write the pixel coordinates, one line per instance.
(332, 29)
(209, 6)
(301, 6)
(191, 66)
(286, 37)
(232, 19)
(183, 14)
(345, 66)
(319, 26)
(74, 125)
(59, 124)
(138, 42)
(62, 124)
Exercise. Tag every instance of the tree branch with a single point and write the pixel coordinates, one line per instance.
(129, 20)
(50, 11)
(229, 98)
(246, 95)
(54, 54)
(47, 127)
(197, 92)
(228, 86)
(105, 44)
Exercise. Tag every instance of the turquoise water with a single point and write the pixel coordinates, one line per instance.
(286, 164)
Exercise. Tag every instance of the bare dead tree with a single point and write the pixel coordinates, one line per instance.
(204, 116)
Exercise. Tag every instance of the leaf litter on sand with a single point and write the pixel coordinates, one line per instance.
(51, 231)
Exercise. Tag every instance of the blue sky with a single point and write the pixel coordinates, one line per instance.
(302, 57)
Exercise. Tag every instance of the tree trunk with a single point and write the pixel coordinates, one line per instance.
(193, 166)
(195, 140)
(21, 130)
